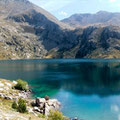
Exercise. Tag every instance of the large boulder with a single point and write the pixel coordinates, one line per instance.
(44, 106)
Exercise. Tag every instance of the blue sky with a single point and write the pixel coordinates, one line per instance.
(64, 8)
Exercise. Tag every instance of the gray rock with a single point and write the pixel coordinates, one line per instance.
(8, 98)
(44, 107)
(36, 109)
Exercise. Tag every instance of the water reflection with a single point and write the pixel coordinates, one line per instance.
(79, 77)
(83, 78)
(94, 78)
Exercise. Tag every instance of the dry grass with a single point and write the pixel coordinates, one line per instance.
(7, 112)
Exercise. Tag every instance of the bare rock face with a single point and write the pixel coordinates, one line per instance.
(99, 42)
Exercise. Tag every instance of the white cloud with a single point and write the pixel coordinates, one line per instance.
(112, 1)
(63, 13)
(52, 5)
(118, 5)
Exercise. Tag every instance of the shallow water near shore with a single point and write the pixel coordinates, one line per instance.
(88, 89)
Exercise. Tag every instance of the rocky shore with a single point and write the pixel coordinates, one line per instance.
(43, 105)
(35, 107)
(7, 92)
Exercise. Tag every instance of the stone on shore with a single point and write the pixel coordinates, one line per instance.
(44, 106)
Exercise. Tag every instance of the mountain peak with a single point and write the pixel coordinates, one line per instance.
(100, 18)
(11, 7)
(14, 1)
(101, 12)
(16, 7)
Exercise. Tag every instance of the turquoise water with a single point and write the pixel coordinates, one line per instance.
(88, 89)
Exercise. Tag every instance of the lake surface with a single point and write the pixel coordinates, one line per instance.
(88, 89)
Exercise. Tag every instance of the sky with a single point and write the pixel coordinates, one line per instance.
(65, 8)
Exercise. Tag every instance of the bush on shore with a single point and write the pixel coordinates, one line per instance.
(21, 85)
(20, 106)
(14, 105)
(56, 115)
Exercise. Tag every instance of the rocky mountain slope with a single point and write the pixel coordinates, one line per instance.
(29, 32)
(95, 42)
(101, 18)
(100, 42)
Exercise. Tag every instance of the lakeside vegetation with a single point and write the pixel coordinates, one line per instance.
(21, 107)
(21, 85)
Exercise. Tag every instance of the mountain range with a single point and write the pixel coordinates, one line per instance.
(101, 18)
(29, 32)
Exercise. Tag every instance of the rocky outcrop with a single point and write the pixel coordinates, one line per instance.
(43, 106)
(88, 43)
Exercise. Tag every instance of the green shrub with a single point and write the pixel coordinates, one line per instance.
(21, 85)
(14, 105)
(56, 115)
(41, 116)
(22, 108)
